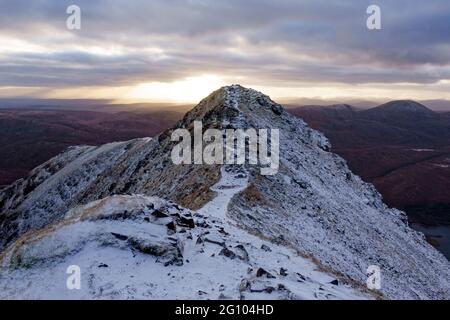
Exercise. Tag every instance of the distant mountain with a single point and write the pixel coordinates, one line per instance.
(436, 105)
(335, 110)
(309, 231)
(402, 106)
(401, 146)
(400, 110)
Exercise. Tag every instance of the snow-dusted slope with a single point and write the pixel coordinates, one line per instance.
(137, 247)
(314, 207)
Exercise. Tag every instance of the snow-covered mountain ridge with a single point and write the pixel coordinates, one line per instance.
(139, 247)
(314, 207)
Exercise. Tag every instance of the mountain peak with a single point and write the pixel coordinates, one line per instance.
(405, 105)
(231, 105)
(343, 107)
(400, 110)
(237, 96)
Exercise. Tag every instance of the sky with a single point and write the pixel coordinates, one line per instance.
(181, 50)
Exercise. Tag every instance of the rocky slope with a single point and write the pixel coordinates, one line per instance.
(313, 208)
(139, 247)
(402, 147)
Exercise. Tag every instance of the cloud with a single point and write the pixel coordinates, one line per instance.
(267, 42)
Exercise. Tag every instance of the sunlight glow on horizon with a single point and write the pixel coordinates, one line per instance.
(188, 90)
(193, 89)
(299, 50)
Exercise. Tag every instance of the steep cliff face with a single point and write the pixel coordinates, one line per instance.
(313, 206)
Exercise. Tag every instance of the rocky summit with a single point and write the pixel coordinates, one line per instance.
(139, 226)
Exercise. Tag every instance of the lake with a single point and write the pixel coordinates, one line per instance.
(439, 234)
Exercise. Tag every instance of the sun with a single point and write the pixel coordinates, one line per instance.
(188, 90)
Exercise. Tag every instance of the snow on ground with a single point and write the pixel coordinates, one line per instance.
(125, 251)
(318, 284)
(439, 165)
(233, 96)
(422, 150)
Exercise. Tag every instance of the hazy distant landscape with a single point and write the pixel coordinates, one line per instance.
(31, 136)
